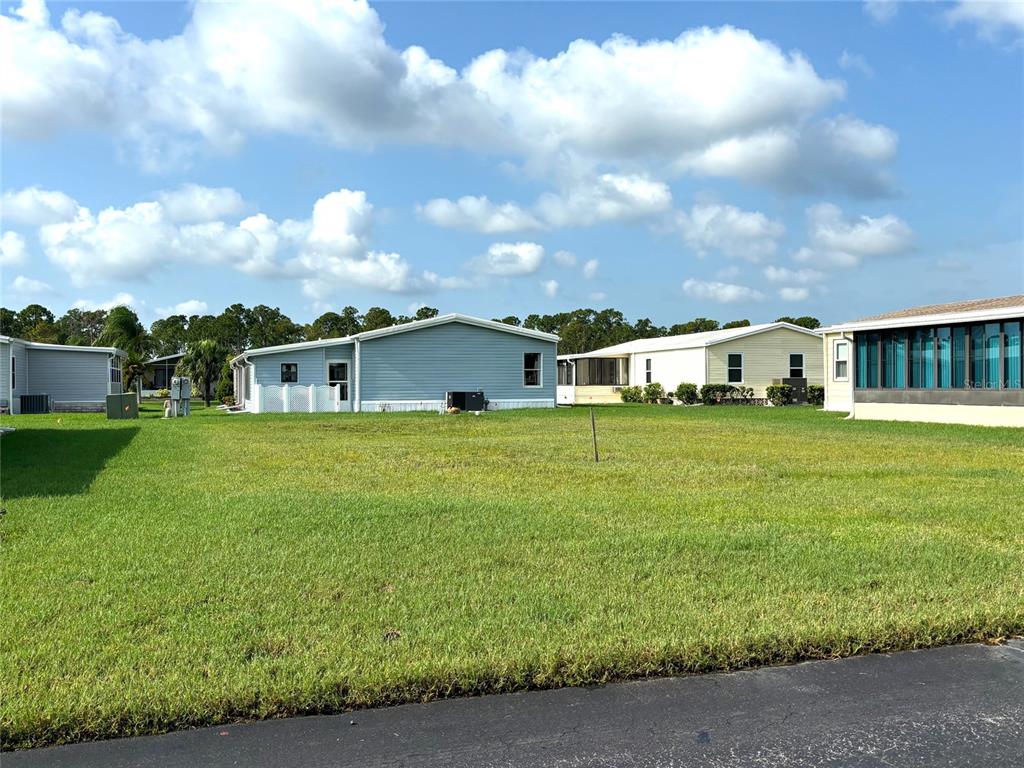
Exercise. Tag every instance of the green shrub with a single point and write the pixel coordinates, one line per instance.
(164, 393)
(815, 394)
(746, 394)
(228, 399)
(712, 394)
(631, 395)
(686, 393)
(653, 392)
(780, 394)
(226, 383)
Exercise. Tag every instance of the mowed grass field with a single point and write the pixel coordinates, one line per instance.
(161, 574)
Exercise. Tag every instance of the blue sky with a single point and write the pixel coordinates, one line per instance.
(670, 160)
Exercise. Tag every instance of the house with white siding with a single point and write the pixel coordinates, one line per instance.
(961, 362)
(57, 377)
(754, 356)
(423, 365)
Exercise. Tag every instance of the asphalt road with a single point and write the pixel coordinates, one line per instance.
(956, 706)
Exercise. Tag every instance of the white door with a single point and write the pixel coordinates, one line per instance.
(565, 391)
(337, 377)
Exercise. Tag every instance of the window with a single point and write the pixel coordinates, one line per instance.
(289, 373)
(841, 369)
(115, 372)
(565, 370)
(14, 377)
(602, 372)
(647, 371)
(531, 369)
(1011, 355)
(944, 357)
(337, 376)
(735, 365)
(796, 365)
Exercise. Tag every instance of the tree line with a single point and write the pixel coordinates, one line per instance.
(209, 341)
(239, 327)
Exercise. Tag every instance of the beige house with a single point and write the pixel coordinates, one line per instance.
(953, 363)
(755, 356)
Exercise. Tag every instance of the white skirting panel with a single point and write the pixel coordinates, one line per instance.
(398, 406)
(505, 405)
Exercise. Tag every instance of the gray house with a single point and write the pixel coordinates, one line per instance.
(417, 366)
(57, 377)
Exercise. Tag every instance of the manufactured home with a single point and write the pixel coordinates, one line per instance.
(953, 363)
(37, 378)
(754, 356)
(158, 372)
(425, 365)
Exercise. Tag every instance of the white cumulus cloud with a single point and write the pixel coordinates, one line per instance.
(834, 240)
(12, 249)
(799, 276)
(509, 259)
(590, 269)
(187, 308)
(27, 286)
(723, 293)
(742, 234)
(34, 206)
(793, 293)
(478, 214)
(550, 288)
(992, 19)
(193, 202)
(323, 69)
(565, 258)
(122, 299)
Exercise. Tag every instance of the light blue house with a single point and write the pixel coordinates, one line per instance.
(57, 377)
(419, 366)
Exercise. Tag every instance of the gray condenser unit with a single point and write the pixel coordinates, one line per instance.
(466, 401)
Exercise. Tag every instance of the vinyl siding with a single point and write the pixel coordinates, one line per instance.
(311, 362)
(67, 376)
(766, 357)
(838, 394)
(5, 367)
(424, 364)
(670, 369)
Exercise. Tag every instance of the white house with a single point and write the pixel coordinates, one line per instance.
(954, 363)
(753, 356)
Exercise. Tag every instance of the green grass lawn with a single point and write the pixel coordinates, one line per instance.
(160, 574)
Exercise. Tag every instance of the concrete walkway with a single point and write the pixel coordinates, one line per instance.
(956, 706)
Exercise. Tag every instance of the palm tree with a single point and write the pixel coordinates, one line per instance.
(123, 330)
(203, 361)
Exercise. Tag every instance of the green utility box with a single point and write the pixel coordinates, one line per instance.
(124, 406)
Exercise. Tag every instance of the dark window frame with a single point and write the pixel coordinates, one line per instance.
(802, 367)
(729, 368)
(538, 370)
(290, 376)
(648, 371)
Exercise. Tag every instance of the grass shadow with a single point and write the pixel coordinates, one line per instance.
(56, 462)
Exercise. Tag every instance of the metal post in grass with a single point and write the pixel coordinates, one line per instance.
(593, 432)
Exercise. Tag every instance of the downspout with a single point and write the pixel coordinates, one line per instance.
(357, 403)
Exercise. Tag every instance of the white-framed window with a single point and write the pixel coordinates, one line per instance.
(115, 371)
(734, 364)
(841, 361)
(532, 362)
(796, 365)
(648, 373)
(337, 376)
(14, 372)
(289, 373)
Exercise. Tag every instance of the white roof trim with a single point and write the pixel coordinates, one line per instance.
(64, 347)
(394, 329)
(164, 357)
(941, 318)
(707, 339)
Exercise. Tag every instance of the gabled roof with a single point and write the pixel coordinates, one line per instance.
(62, 347)
(415, 325)
(165, 357)
(933, 314)
(687, 340)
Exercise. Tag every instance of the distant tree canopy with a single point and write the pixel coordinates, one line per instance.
(806, 321)
(239, 327)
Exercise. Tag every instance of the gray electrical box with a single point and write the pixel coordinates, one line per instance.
(124, 406)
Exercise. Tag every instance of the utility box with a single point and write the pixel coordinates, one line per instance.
(466, 401)
(799, 386)
(181, 396)
(35, 403)
(124, 406)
